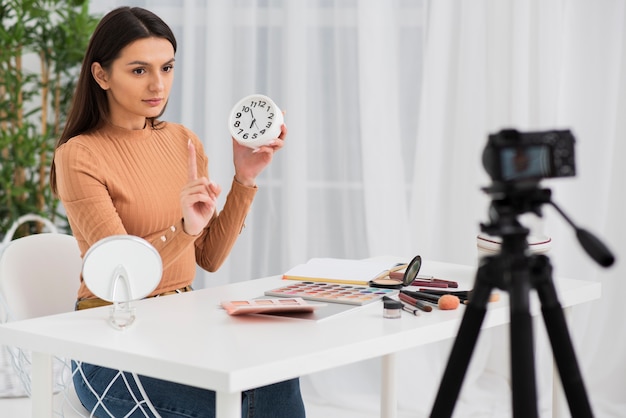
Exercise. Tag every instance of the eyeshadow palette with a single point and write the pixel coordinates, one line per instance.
(332, 292)
(257, 306)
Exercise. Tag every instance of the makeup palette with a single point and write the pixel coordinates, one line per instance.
(258, 306)
(332, 292)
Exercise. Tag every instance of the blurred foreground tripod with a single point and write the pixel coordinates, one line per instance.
(516, 271)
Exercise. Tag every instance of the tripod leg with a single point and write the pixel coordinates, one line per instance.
(522, 346)
(562, 346)
(463, 346)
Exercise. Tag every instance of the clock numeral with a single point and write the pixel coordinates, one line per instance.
(268, 125)
(238, 115)
(271, 116)
(245, 109)
(260, 103)
(237, 124)
(240, 131)
(254, 136)
(262, 131)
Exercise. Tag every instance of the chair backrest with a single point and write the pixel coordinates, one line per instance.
(39, 275)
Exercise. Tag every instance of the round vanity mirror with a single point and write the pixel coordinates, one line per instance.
(122, 268)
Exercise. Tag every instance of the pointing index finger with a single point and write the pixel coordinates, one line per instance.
(192, 165)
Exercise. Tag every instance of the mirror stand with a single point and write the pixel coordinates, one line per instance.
(122, 313)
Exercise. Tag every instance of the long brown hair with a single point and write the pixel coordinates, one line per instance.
(116, 30)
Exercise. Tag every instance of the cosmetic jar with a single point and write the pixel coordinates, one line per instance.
(392, 308)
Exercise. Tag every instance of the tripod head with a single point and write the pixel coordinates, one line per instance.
(513, 198)
(509, 200)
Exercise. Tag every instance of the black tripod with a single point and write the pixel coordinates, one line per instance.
(516, 272)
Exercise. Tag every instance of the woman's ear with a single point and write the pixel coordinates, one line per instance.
(100, 75)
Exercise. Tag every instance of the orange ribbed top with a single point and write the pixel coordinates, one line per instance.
(117, 181)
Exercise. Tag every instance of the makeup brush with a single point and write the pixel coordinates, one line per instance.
(444, 301)
(464, 295)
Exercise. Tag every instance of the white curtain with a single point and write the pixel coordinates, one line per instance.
(389, 104)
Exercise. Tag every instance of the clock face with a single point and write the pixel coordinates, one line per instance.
(255, 121)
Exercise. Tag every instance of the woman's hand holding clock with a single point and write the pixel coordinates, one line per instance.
(249, 163)
(256, 125)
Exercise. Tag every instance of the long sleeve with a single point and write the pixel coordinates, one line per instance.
(218, 239)
(117, 181)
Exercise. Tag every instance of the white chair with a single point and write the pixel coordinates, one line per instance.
(39, 275)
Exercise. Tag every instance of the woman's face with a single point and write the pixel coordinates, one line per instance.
(139, 81)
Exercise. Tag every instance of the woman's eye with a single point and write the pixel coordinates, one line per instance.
(139, 71)
(168, 68)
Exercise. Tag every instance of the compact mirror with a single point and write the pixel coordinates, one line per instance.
(392, 281)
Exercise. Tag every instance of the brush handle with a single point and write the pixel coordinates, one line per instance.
(422, 296)
(414, 302)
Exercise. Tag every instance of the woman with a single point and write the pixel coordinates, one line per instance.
(119, 170)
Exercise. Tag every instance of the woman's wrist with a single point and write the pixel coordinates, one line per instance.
(245, 182)
(190, 233)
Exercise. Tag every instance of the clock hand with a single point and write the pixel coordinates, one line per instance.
(253, 119)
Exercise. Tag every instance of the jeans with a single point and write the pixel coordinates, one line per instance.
(121, 397)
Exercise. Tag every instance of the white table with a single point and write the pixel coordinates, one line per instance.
(187, 338)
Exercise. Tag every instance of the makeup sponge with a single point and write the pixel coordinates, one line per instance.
(448, 302)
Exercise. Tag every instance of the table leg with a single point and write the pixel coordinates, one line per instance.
(228, 405)
(41, 385)
(389, 397)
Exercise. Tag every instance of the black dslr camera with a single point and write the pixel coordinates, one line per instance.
(512, 156)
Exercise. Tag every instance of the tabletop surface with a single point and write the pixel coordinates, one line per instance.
(190, 339)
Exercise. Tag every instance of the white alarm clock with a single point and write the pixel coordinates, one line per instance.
(255, 121)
